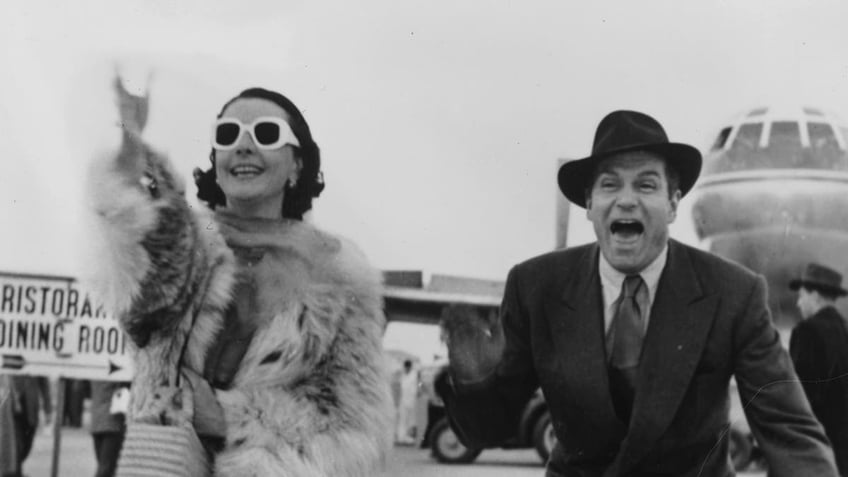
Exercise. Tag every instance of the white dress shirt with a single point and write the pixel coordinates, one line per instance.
(612, 279)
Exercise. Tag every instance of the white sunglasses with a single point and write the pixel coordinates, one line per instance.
(267, 132)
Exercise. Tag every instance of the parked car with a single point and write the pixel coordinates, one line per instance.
(534, 430)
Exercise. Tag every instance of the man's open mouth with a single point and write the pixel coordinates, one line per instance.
(626, 228)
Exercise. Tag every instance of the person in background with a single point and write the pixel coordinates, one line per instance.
(29, 395)
(108, 424)
(76, 391)
(633, 338)
(8, 443)
(406, 403)
(819, 350)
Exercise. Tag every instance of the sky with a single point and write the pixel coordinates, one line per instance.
(440, 123)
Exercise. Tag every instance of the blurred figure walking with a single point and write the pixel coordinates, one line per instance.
(22, 397)
(76, 391)
(108, 423)
(8, 443)
(406, 403)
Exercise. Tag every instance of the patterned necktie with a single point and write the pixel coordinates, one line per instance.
(628, 332)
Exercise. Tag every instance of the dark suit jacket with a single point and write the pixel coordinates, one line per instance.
(819, 349)
(709, 321)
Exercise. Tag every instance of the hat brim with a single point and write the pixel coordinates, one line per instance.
(575, 177)
(797, 283)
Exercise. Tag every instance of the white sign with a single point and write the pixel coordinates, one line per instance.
(49, 326)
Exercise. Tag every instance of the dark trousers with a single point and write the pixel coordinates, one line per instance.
(76, 391)
(107, 448)
(24, 437)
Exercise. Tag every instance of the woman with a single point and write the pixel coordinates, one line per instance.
(273, 324)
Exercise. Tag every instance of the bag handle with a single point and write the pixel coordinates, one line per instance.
(177, 374)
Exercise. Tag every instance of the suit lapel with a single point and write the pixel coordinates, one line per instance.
(681, 318)
(576, 322)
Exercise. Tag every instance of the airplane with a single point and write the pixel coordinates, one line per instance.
(773, 196)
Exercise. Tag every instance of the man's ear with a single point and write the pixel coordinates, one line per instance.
(674, 201)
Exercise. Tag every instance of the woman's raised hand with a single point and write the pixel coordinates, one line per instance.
(135, 160)
(133, 109)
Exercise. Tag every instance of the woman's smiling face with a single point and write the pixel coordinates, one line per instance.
(253, 179)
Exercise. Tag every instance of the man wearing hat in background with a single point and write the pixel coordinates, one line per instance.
(633, 338)
(819, 349)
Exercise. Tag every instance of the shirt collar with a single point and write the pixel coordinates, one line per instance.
(611, 279)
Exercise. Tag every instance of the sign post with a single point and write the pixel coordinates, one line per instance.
(51, 326)
(58, 417)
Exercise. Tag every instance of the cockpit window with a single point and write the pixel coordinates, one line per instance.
(822, 136)
(785, 145)
(721, 139)
(748, 136)
(785, 132)
(824, 150)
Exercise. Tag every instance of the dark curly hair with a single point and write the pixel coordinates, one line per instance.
(298, 199)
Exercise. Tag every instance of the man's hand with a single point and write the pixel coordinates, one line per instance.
(475, 342)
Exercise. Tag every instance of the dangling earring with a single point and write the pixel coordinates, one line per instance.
(292, 182)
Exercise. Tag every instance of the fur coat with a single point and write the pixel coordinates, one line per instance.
(310, 396)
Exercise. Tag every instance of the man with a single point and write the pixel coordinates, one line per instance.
(633, 338)
(819, 349)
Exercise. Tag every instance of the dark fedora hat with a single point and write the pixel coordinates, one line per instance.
(623, 131)
(819, 277)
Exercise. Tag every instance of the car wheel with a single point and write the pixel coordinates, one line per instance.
(741, 448)
(446, 446)
(544, 437)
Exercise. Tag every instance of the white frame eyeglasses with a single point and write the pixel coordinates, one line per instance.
(285, 135)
